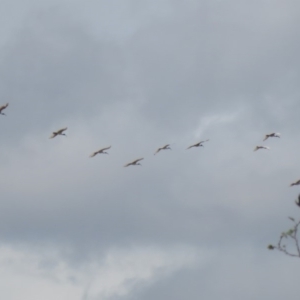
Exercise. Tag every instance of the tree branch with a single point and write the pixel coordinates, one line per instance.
(290, 236)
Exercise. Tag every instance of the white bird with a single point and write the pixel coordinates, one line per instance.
(274, 134)
(2, 108)
(134, 163)
(197, 145)
(58, 132)
(261, 147)
(295, 183)
(297, 201)
(163, 148)
(101, 151)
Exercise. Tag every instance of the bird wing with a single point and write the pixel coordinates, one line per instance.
(195, 145)
(53, 135)
(61, 130)
(157, 151)
(133, 162)
(266, 137)
(166, 146)
(137, 160)
(94, 154)
(103, 149)
(3, 106)
(295, 183)
(203, 142)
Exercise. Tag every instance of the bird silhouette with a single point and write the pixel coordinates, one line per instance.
(261, 147)
(295, 183)
(101, 151)
(58, 132)
(197, 145)
(163, 148)
(274, 134)
(134, 163)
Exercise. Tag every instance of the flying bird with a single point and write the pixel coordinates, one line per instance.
(58, 132)
(134, 163)
(2, 108)
(163, 148)
(295, 183)
(101, 151)
(297, 201)
(197, 145)
(274, 134)
(261, 147)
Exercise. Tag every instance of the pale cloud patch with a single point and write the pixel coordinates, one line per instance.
(210, 120)
(45, 274)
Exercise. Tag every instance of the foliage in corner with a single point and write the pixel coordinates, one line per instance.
(288, 242)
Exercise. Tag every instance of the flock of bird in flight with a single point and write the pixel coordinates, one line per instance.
(274, 134)
(166, 147)
(102, 151)
(133, 163)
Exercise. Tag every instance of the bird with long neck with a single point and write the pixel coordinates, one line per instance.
(166, 147)
(197, 145)
(58, 132)
(261, 147)
(101, 151)
(273, 134)
(134, 163)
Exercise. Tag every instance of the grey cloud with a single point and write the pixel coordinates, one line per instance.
(175, 74)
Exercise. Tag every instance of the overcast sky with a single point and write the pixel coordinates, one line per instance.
(136, 75)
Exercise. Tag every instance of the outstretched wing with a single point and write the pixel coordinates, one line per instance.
(133, 162)
(103, 149)
(3, 106)
(266, 137)
(203, 142)
(61, 130)
(157, 150)
(191, 146)
(295, 183)
(94, 154)
(137, 160)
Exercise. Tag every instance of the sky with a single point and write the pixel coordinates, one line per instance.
(136, 75)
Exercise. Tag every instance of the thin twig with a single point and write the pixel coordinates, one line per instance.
(292, 233)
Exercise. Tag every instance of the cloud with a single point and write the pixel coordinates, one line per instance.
(137, 76)
(44, 273)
